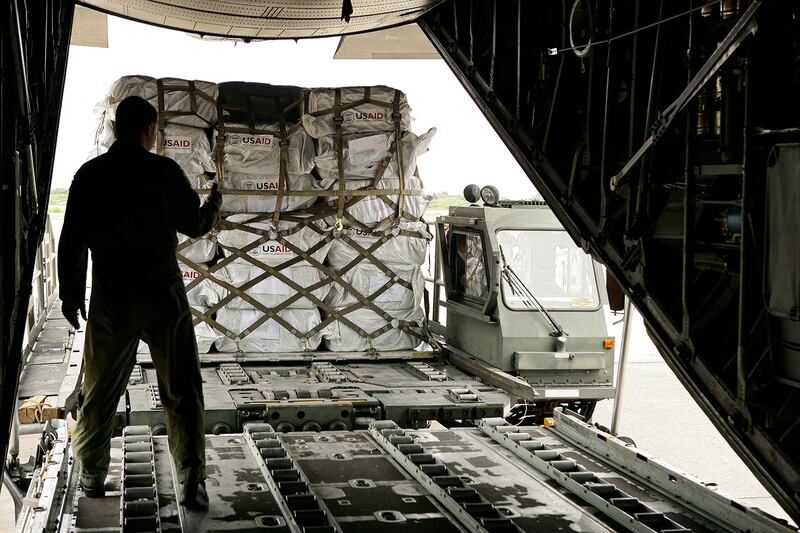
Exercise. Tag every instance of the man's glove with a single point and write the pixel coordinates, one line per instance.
(70, 311)
(215, 197)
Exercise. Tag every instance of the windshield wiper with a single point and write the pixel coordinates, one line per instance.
(518, 288)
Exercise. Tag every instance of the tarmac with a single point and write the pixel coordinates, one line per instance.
(657, 412)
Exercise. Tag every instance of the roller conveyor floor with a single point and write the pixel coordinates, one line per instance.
(491, 477)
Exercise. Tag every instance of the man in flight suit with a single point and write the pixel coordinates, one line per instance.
(126, 206)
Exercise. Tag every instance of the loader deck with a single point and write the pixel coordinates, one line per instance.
(492, 477)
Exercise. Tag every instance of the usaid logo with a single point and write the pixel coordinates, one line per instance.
(257, 140)
(261, 185)
(349, 117)
(250, 141)
(271, 249)
(177, 143)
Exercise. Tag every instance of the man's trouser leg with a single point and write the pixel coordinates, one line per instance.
(173, 347)
(109, 354)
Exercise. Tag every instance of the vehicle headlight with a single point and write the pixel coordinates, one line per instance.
(490, 195)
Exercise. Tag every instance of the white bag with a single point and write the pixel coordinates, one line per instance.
(201, 250)
(269, 337)
(204, 294)
(340, 338)
(399, 249)
(272, 252)
(260, 153)
(190, 148)
(177, 98)
(262, 203)
(270, 291)
(203, 332)
(368, 279)
(105, 135)
(187, 146)
(372, 210)
(363, 118)
(363, 154)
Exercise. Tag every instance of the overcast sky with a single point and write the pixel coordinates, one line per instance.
(465, 149)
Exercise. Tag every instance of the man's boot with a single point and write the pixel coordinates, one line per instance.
(194, 495)
(92, 488)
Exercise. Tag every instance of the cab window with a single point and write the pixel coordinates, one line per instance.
(469, 266)
(558, 273)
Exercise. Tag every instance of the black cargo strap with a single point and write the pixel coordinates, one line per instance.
(398, 141)
(219, 147)
(337, 140)
(283, 172)
(162, 122)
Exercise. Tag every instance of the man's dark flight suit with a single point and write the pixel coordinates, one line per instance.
(125, 206)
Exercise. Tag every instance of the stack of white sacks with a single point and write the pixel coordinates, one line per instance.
(368, 133)
(251, 158)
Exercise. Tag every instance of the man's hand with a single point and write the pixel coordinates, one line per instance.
(215, 197)
(70, 311)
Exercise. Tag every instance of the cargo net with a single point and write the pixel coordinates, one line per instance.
(321, 243)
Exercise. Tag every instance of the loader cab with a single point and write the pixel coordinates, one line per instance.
(524, 298)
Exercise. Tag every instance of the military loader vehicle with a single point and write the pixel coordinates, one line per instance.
(524, 298)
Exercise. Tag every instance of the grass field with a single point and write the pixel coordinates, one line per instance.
(58, 201)
(441, 201)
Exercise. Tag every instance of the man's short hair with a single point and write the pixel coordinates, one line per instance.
(133, 116)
